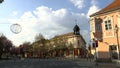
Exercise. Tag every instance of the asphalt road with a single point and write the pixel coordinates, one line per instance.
(38, 63)
(52, 63)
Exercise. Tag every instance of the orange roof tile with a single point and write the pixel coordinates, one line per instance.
(70, 34)
(115, 5)
(67, 34)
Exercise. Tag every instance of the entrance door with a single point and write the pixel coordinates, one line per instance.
(113, 51)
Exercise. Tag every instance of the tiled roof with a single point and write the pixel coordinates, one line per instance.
(67, 34)
(115, 5)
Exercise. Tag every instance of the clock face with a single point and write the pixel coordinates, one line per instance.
(16, 28)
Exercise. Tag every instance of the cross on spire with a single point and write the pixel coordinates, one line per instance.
(75, 21)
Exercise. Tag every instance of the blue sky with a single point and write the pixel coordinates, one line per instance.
(48, 17)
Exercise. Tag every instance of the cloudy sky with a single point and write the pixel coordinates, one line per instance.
(48, 17)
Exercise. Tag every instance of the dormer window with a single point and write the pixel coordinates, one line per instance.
(108, 24)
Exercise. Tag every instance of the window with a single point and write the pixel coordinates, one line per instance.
(113, 47)
(98, 26)
(98, 22)
(108, 25)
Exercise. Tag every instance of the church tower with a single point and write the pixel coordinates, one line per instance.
(76, 30)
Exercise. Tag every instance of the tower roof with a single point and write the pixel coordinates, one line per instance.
(76, 28)
(115, 5)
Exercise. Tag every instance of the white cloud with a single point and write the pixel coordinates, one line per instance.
(14, 13)
(78, 3)
(94, 2)
(60, 13)
(46, 21)
(92, 10)
(27, 22)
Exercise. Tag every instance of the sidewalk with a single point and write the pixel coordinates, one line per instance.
(91, 64)
(106, 65)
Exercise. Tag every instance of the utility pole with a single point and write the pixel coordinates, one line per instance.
(116, 30)
(95, 46)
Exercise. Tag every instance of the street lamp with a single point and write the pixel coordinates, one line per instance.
(116, 31)
(95, 46)
(54, 52)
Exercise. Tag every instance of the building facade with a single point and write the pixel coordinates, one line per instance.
(104, 28)
(69, 45)
(72, 44)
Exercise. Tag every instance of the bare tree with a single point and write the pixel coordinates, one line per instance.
(1, 48)
(5, 45)
(39, 37)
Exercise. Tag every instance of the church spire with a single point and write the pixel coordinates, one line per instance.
(76, 29)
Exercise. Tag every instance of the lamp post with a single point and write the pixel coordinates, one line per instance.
(116, 31)
(73, 48)
(54, 52)
(95, 46)
(95, 42)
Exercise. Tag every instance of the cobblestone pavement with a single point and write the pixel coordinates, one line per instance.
(53, 63)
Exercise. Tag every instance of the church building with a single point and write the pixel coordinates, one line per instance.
(73, 43)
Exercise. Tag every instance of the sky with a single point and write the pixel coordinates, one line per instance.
(47, 17)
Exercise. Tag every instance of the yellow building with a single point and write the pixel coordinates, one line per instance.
(104, 28)
(72, 44)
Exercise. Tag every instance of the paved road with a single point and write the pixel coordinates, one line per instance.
(52, 63)
(91, 64)
(38, 63)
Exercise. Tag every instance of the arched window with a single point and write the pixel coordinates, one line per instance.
(108, 23)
